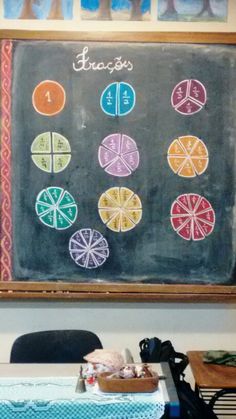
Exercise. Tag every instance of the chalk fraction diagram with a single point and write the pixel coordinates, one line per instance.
(88, 248)
(188, 97)
(120, 209)
(49, 98)
(92, 142)
(192, 217)
(118, 99)
(188, 156)
(56, 208)
(118, 155)
(51, 152)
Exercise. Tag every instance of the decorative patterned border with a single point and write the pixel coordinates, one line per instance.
(6, 221)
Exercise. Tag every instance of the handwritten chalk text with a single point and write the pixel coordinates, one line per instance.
(83, 63)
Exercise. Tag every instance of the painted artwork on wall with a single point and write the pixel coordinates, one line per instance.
(193, 10)
(38, 9)
(116, 9)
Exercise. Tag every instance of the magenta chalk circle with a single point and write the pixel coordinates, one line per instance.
(189, 97)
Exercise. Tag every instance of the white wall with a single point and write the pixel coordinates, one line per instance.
(119, 325)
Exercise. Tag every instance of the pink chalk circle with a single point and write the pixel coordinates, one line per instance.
(192, 217)
(118, 155)
(189, 97)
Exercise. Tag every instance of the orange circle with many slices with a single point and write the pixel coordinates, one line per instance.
(120, 209)
(49, 98)
(188, 156)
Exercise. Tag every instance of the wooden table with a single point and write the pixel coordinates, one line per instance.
(216, 383)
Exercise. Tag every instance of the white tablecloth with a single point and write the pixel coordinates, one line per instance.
(56, 398)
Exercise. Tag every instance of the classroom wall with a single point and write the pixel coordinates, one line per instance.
(120, 325)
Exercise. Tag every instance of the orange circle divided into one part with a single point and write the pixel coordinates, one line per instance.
(49, 98)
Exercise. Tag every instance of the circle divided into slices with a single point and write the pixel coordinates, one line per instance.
(188, 156)
(51, 152)
(118, 155)
(88, 248)
(56, 208)
(192, 217)
(118, 99)
(189, 97)
(120, 209)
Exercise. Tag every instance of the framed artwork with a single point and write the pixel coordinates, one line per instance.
(116, 10)
(119, 15)
(38, 9)
(193, 10)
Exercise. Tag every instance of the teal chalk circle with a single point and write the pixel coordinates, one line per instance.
(56, 208)
(118, 99)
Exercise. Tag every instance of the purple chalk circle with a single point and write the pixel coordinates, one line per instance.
(88, 248)
(118, 155)
(189, 97)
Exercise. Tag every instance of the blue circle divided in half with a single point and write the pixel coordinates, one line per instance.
(118, 99)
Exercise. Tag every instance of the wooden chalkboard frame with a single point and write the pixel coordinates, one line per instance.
(115, 291)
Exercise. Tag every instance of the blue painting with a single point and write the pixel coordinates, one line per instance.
(193, 10)
(38, 9)
(116, 9)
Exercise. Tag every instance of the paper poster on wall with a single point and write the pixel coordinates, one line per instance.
(115, 9)
(193, 10)
(38, 9)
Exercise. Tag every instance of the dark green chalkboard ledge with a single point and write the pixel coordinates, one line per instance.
(117, 292)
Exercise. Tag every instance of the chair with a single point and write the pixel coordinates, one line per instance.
(54, 346)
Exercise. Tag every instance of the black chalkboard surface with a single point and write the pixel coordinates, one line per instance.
(145, 132)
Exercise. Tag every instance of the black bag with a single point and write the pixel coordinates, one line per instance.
(192, 406)
(154, 350)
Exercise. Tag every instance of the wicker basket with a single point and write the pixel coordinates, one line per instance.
(109, 384)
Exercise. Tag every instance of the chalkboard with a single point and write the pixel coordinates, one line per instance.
(122, 162)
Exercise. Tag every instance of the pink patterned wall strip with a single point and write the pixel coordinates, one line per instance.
(6, 221)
